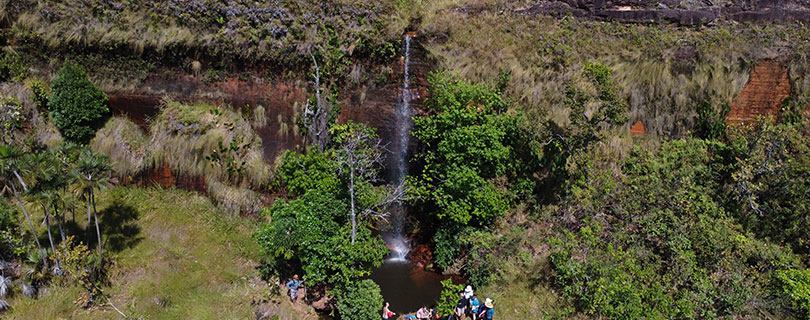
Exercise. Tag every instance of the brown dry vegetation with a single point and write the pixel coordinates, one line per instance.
(182, 138)
(666, 71)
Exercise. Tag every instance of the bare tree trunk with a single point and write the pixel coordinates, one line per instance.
(50, 237)
(319, 133)
(351, 196)
(89, 217)
(60, 219)
(27, 217)
(95, 217)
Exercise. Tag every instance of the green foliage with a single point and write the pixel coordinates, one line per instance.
(796, 285)
(10, 241)
(77, 107)
(475, 154)
(772, 179)
(470, 142)
(11, 67)
(709, 124)
(595, 106)
(312, 230)
(77, 262)
(657, 242)
(12, 116)
(449, 297)
(299, 173)
(40, 93)
(360, 300)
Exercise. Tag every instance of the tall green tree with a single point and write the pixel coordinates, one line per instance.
(477, 158)
(11, 163)
(77, 107)
(90, 174)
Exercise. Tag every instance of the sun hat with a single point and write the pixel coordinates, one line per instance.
(468, 289)
(488, 303)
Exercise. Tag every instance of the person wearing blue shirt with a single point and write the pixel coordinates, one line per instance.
(474, 304)
(488, 311)
(293, 285)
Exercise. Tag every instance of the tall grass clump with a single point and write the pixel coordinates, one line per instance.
(211, 142)
(125, 145)
(665, 71)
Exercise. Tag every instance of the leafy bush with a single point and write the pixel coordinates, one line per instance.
(312, 231)
(77, 107)
(449, 297)
(301, 173)
(657, 242)
(40, 93)
(771, 181)
(11, 67)
(474, 152)
(710, 124)
(796, 285)
(360, 300)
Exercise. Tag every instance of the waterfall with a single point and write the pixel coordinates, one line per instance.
(399, 243)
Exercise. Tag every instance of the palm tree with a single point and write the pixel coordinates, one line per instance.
(44, 191)
(11, 160)
(90, 173)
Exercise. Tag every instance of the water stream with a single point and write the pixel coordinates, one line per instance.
(404, 284)
(397, 241)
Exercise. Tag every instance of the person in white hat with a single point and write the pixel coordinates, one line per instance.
(468, 292)
(488, 311)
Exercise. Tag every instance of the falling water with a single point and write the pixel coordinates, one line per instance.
(398, 243)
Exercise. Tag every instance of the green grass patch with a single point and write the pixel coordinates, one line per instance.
(177, 256)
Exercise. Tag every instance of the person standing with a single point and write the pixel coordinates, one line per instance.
(489, 310)
(293, 285)
(468, 292)
(474, 305)
(387, 314)
(461, 306)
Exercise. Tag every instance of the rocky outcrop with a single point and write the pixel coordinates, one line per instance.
(680, 12)
(768, 85)
(638, 129)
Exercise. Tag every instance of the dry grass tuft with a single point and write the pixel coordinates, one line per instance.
(125, 145)
(183, 136)
(235, 199)
(665, 71)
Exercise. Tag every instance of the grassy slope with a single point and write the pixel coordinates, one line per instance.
(175, 249)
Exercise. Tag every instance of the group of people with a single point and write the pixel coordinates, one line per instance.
(422, 314)
(468, 307)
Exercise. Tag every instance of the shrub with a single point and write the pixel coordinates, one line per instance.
(11, 67)
(796, 285)
(312, 231)
(474, 153)
(449, 297)
(77, 107)
(360, 300)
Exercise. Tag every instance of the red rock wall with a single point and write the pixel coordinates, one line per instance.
(767, 86)
(638, 129)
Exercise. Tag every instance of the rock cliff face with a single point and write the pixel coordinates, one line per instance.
(688, 13)
(767, 86)
(282, 101)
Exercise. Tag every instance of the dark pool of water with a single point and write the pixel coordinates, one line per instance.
(406, 286)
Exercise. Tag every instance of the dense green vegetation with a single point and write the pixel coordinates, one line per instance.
(77, 107)
(325, 232)
(524, 180)
(679, 231)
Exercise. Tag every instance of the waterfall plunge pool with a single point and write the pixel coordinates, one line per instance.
(407, 286)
